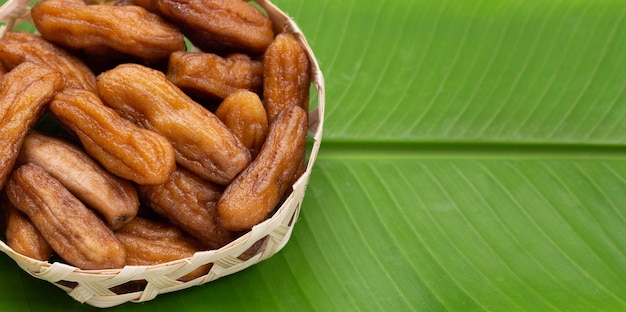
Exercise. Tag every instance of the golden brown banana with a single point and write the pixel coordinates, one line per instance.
(75, 233)
(96, 29)
(24, 92)
(217, 26)
(114, 198)
(149, 242)
(22, 235)
(203, 144)
(210, 76)
(189, 202)
(123, 148)
(286, 76)
(20, 47)
(244, 114)
(252, 196)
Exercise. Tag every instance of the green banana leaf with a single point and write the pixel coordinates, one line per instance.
(474, 159)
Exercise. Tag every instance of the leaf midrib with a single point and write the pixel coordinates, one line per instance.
(359, 149)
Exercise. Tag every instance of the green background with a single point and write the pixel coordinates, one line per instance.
(473, 160)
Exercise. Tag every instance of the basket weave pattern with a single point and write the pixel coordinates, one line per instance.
(107, 288)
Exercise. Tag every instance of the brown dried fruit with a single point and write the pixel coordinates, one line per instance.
(120, 146)
(98, 28)
(243, 113)
(287, 75)
(252, 196)
(20, 47)
(22, 235)
(149, 242)
(75, 233)
(189, 202)
(207, 75)
(217, 26)
(115, 199)
(203, 144)
(24, 92)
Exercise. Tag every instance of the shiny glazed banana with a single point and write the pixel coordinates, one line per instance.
(210, 76)
(286, 76)
(114, 198)
(149, 242)
(189, 202)
(203, 144)
(74, 231)
(100, 29)
(24, 93)
(252, 196)
(22, 235)
(123, 148)
(243, 113)
(217, 26)
(20, 47)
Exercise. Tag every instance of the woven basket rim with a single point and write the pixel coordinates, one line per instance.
(273, 232)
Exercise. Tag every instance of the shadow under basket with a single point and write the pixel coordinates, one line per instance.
(107, 288)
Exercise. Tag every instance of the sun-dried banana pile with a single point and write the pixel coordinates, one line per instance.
(163, 150)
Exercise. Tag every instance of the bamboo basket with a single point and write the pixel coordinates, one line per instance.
(108, 288)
